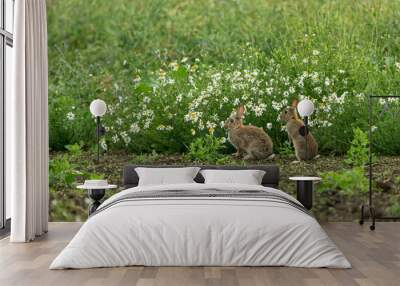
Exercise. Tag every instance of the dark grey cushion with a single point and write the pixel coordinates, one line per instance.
(270, 179)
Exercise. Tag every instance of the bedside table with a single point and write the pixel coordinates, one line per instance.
(96, 193)
(305, 189)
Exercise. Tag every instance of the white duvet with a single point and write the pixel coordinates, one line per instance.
(200, 231)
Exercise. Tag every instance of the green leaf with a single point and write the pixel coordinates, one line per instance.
(144, 87)
(180, 74)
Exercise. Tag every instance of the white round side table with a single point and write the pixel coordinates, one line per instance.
(96, 193)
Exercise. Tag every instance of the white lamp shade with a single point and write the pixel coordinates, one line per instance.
(305, 107)
(98, 107)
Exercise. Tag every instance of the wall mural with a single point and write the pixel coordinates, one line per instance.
(193, 82)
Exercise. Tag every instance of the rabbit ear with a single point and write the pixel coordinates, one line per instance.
(240, 110)
(294, 103)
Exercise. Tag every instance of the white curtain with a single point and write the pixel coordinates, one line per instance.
(27, 124)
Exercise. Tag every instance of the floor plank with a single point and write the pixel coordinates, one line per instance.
(375, 257)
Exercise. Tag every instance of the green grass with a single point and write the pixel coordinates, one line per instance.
(142, 56)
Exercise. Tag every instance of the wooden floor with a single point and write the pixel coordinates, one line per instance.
(375, 257)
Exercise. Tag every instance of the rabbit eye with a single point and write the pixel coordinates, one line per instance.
(285, 111)
(231, 120)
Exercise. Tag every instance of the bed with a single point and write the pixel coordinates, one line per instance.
(198, 224)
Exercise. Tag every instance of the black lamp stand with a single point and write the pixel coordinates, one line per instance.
(306, 134)
(370, 205)
(100, 131)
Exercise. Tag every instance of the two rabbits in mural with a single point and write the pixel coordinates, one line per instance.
(253, 143)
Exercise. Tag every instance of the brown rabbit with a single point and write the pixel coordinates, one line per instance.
(248, 139)
(296, 131)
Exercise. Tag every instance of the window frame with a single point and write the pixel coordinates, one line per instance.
(6, 39)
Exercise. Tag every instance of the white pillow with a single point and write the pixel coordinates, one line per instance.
(166, 176)
(248, 177)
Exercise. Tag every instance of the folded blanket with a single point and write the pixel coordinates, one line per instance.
(206, 193)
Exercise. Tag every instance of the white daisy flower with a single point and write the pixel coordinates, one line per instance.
(115, 138)
(135, 128)
(315, 53)
(70, 116)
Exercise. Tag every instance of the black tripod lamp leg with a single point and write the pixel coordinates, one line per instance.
(361, 221)
(372, 213)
